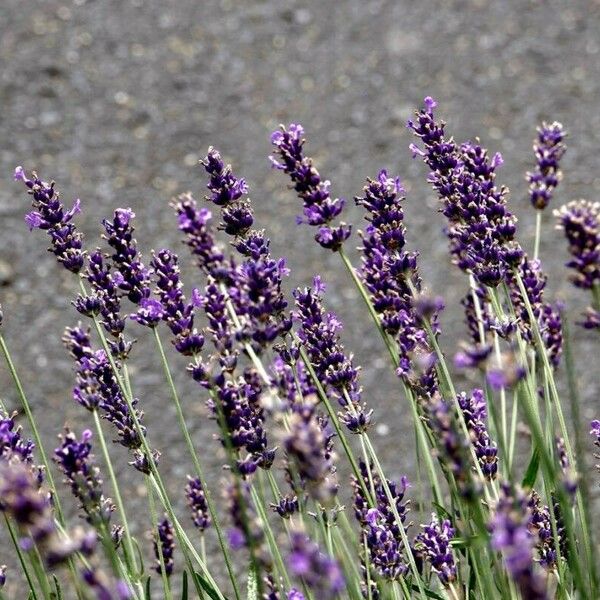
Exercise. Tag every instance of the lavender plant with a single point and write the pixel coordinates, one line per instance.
(308, 510)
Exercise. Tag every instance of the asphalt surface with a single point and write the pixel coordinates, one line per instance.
(118, 99)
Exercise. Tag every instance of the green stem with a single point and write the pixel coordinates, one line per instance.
(538, 234)
(198, 467)
(157, 542)
(128, 546)
(15, 541)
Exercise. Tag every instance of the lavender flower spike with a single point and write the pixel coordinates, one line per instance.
(75, 460)
(164, 543)
(548, 148)
(196, 500)
(320, 209)
(511, 536)
(318, 571)
(50, 215)
(434, 546)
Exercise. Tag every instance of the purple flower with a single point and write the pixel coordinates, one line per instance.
(379, 524)
(3, 576)
(319, 572)
(308, 445)
(194, 222)
(286, 507)
(294, 594)
(51, 216)
(320, 209)
(133, 278)
(226, 192)
(196, 501)
(548, 148)
(389, 272)
(334, 368)
(12, 443)
(580, 221)
(511, 537)
(177, 312)
(164, 544)
(76, 462)
(246, 530)
(474, 410)
(103, 587)
(433, 545)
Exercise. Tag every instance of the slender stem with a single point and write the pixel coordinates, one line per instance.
(198, 467)
(538, 234)
(128, 546)
(157, 542)
(15, 541)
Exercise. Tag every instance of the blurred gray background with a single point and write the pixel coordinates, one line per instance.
(118, 99)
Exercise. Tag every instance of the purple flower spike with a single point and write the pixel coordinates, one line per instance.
(474, 410)
(580, 221)
(194, 222)
(320, 209)
(3, 576)
(196, 500)
(134, 278)
(12, 443)
(434, 546)
(51, 216)
(319, 572)
(548, 148)
(511, 537)
(164, 543)
(76, 462)
(177, 312)
(334, 368)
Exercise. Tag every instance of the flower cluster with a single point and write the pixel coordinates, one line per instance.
(548, 148)
(164, 547)
(320, 209)
(474, 409)
(379, 523)
(334, 368)
(196, 501)
(319, 572)
(308, 444)
(50, 215)
(580, 221)
(511, 537)
(12, 444)
(76, 462)
(433, 545)
(389, 272)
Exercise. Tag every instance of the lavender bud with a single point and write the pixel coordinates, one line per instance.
(164, 544)
(433, 545)
(196, 501)
(548, 148)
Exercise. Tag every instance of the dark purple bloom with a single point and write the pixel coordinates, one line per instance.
(379, 524)
(3, 576)
(390, 274)
(319, 572)
(76, 462)
(51, 216)
(580, 221)
(98, 389)
(131, 275)
(511, 537)
(308, 445)
(540, 526)
(334, 368)
(196, 501)
(320, 209)
(194, 222)
(246, 531)
(474, 410)
(103, 588)
(177, 312)
(548, 148)
(164, 544)
(286, 507)
(433, 545)
(12, 443)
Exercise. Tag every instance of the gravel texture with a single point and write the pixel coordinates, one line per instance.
(118, 99)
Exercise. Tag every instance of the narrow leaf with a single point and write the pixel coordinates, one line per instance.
(252, 584)
(532, 470)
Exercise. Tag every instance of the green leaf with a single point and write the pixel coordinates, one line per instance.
(532, 470)
(184, 585)
(147, 594)
(206, 586)
(252, 584)
(138, 550)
